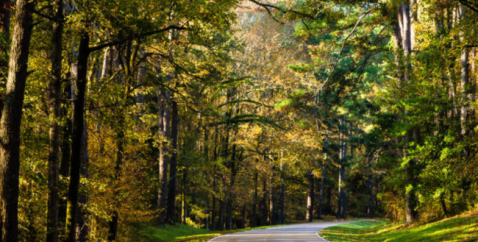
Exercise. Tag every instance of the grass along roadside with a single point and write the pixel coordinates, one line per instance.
(459, 228)
(183, 232)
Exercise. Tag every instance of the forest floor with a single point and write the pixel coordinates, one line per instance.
(459, 228)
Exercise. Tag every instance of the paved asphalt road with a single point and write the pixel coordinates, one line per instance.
(297, 232)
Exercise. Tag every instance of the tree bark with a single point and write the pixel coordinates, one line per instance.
(263, 203)
(55, 114)
(65, 154)
(405, 21)
(254, 199)
(271, 198)
(164, 133)
(310, 198)
(464, 81)
(370, 210)
(78, 127)
(171, 200)
(322, 180)
(281, 198)
(11, 119)
(342, 199)
(82, 221)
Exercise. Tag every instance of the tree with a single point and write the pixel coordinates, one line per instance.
(11, 119)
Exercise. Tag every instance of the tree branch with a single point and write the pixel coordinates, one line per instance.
(133, 37)
(469, 5)
(269, 6)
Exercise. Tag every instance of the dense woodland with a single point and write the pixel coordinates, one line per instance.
(225, 114)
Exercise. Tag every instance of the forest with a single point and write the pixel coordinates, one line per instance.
(229, 114)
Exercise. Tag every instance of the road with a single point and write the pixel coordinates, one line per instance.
(297, 232)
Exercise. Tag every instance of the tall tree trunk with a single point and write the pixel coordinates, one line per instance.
(222, 211)
(206, 156)
(113, 224)
(214, 213)
(82, 221)
(55, 113)
(254, 199)
(405, 20)
(370, 209)
(78, 127)
(281, 197)
(310, 198)
(328, 204)
(171, 200)
(66, 151)
(244, 215)
(164, 133)
(343, 154)
(322, 180)
(271, 198)
(229, 214)
(11, 118)
(465, 82)
(263, 203)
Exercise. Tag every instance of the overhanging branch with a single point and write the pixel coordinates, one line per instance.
(133, 37)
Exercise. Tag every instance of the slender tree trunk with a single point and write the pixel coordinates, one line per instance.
(271, 198)
(213, 215)
(405, 21)
(78, 126)
(171, 200)
(443, 204)
(64, 173)
(328, 204)
(55, 114)
(11, 118)
(263, 203)
(370, 210)
(229, 214)
(281, 197)
(213, 224)
(82, 221)
(164, 133)
(254, 199)
(222, 211)
(322, 180)
(113, 224)
(244, 215)
(465, 76)
(343, 153)
(206, 155)
(310, 198)
(65, 152)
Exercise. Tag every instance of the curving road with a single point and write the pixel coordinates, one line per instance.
(297, 232)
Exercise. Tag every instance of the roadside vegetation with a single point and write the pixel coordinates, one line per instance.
(459, 228)
(232, 114)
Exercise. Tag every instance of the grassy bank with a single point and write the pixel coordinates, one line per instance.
(183, 232)
(462, 228)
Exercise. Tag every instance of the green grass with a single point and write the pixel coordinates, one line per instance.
(463, 228)
(183, 232)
